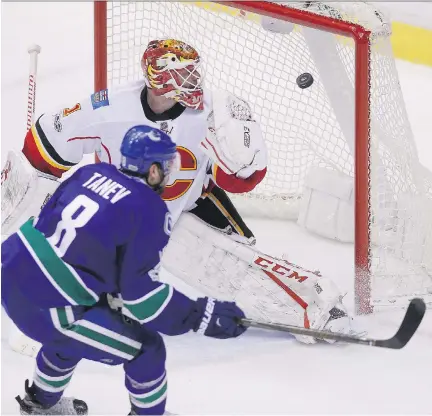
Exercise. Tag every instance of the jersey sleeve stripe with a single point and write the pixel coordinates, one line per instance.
(33, 154)
(146, 297)
(47, 150)
(149, 307)
(54, 268)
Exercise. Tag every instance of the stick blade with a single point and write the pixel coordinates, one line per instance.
(412, 319)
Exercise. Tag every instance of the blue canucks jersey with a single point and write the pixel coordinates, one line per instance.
(101, 232)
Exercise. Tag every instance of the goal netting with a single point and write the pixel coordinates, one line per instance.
(351, 120)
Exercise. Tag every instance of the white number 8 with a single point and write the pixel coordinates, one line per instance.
(68, 225)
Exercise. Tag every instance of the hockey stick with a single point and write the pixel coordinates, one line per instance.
(33, 51)
(408, 327)
(14, 191)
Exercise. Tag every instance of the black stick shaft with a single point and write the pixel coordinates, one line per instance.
(295, 330)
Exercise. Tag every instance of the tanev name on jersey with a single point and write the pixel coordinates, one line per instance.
(106, 188)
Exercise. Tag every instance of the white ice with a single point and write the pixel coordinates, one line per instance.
(261, 372)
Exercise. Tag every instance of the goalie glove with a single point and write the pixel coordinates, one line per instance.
(234, 139)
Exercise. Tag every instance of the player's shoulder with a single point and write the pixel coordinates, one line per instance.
(102, 168)
(129, 86)
(149, 206)
(141, 192)
(126, 89)
(109, 97)
(143, 207)
(146, 196)
(110, 172)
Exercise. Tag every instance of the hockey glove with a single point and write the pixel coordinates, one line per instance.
(218, 319)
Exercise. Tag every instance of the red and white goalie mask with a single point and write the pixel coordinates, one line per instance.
(171, 68)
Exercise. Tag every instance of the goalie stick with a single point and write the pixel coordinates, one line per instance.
(19, 190)
(407, 329)
(14, 191)
(34, 51)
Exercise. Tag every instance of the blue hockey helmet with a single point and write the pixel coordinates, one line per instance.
(143, 146)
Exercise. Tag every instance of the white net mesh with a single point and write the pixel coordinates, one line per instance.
(304, 128)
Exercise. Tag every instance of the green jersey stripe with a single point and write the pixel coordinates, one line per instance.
(105, 331)
(44, 271)
(105, 340)
(47, 387)
(146, 296)
(96, 336)
(151, 307)
(63, 318)
(144, 397)
(58, 384)
(151, 400)
(68, 283)
(49, 379)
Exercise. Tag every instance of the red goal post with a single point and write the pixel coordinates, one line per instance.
(326, 19)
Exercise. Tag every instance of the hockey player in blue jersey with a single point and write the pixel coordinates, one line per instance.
(102, 233)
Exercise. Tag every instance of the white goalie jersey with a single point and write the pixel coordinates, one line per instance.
(224, 155)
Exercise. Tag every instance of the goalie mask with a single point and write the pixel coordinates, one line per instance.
(171, 69)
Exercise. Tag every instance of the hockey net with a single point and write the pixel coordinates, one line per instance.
(352, 119)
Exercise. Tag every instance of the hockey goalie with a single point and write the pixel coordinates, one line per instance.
(222, 151)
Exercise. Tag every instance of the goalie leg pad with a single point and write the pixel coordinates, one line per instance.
(266, 288)
(24, 191)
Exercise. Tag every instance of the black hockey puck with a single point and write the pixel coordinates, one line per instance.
(305, 80)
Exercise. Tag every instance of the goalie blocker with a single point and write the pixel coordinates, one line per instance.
(266, 288)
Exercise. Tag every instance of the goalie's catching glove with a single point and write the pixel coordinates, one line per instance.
(234, 140)
(218, 319)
